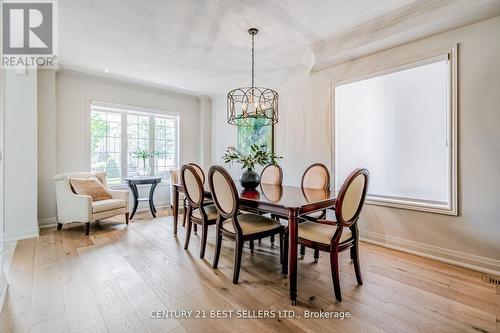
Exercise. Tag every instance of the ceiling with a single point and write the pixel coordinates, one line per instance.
(202, 46)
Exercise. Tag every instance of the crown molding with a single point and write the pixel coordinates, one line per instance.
(415, 21)
(122, 80)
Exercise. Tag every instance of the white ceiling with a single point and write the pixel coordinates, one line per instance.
(202, 45)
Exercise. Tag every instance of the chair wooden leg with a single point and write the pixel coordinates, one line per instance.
(185, 209)
(272, 241)
(252, 246)
(195, 229)
(203, 245)
(59, 226)
(127, 218)
(355, 261)
(87, 228)
(334, 263)
(316, 255)
(218, 244)
(302, 251)
(188, 234)
(237, 261)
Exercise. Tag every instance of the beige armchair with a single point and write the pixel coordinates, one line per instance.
(72, 207)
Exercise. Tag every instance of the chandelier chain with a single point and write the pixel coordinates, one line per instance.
(253, 59)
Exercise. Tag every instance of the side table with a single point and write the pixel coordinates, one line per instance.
(132, 183)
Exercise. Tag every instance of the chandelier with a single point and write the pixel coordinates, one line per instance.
(246, 105)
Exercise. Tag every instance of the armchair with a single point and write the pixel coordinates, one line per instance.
(72, 207)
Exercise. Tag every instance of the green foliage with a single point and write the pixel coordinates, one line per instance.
(112, 169)
(258, 154)
(98, 130)
(144, 154)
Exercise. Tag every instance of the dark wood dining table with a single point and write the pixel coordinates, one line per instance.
(282, 200)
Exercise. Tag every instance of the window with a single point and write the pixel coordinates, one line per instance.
(105, 144)
(118, 133)
(401, 126)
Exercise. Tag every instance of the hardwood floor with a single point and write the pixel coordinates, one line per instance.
(113, 279)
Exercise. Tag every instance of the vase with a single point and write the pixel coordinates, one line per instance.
(249, 179)
(144, 172)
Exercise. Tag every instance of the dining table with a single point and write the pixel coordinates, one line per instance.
(288, 202)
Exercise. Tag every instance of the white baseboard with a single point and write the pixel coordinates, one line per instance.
(466, 260)
(3, 289)
(48, 222)
(52, 221)
(24, 233)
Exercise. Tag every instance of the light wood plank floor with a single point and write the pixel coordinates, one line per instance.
(112, 280)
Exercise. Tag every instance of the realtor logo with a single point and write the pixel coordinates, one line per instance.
(28, 30)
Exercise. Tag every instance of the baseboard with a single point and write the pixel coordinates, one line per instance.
(52, 221)
(24, 233)
(48, 222)
(3, 289)
(465, 260)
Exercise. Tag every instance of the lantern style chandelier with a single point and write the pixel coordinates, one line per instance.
(249, 104)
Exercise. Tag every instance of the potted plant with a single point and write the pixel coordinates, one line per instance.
(144, 155)
(258, 154)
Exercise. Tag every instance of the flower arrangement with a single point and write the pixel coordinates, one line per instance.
(258, 154)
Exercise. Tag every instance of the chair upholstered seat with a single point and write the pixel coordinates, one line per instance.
(108, 204)
(321, 233)
(211, 212)
(252, 224)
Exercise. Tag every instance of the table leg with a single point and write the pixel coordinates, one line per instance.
(135, 194)
(175, 207)
(151, 204)
(293, 223)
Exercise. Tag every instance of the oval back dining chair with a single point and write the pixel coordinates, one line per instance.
(272, 174)
(239, 227)
(199, 171)
(342, 234)
(197, 212)
(316, 177)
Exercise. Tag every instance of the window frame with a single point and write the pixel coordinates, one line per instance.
(125, 110)
(451, 208)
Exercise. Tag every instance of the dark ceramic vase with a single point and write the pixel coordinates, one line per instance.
(250, 179)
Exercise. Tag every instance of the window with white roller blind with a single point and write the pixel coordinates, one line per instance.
(401, 125)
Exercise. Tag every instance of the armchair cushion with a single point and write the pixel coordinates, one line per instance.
(90, 186)
(109, 204)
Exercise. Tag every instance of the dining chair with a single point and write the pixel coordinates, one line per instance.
(239, 227)
(317, 177)
(175, 178)
(199, 171)
(197, 212)
(343, 233)
(272, 174)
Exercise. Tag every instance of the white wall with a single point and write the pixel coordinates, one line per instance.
(46, 142)
(20, 168)
(304, 136)
(65, 145)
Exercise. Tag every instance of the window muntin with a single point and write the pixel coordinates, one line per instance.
(115, 129)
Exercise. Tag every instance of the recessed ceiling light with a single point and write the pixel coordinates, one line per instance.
(106, 70)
